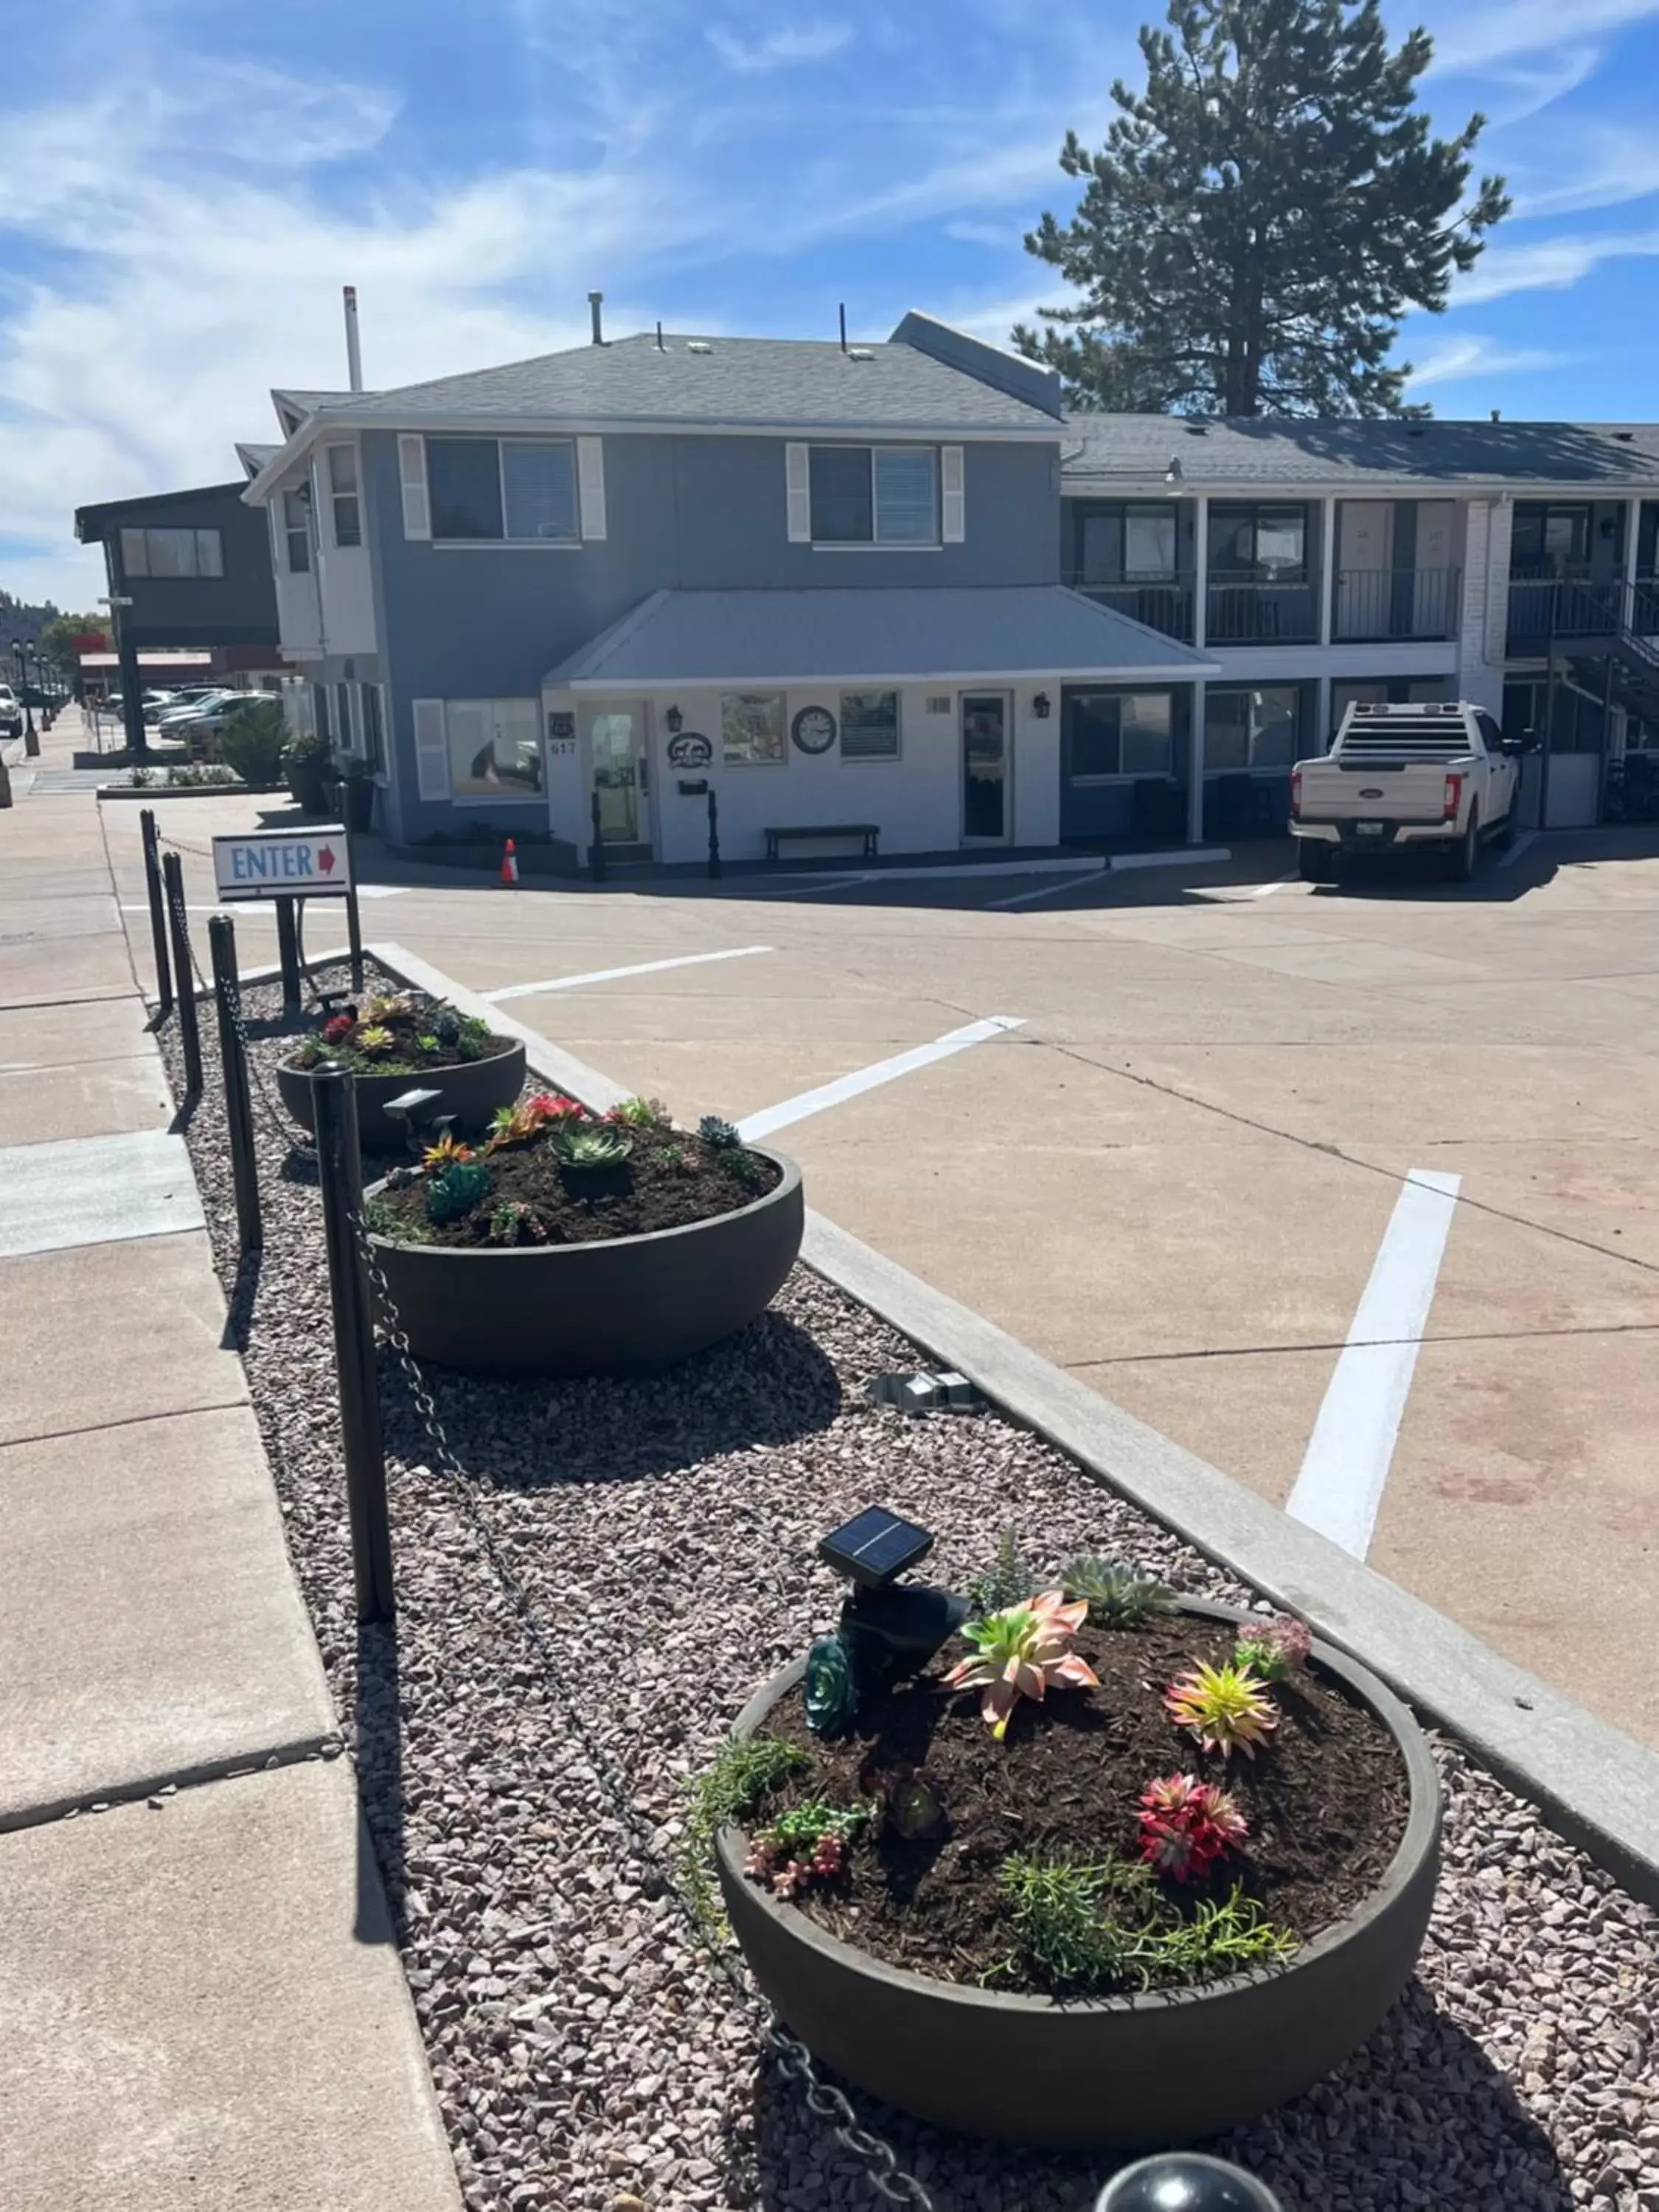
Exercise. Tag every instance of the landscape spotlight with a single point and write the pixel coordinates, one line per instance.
(889, 1630)
(1185, 2181)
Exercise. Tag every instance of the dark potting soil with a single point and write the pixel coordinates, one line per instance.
(669, 1179)
(1326, 1799)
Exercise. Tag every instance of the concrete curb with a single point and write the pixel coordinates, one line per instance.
(1595, 1785)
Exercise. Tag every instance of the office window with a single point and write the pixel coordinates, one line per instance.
(1268, 541)
(1132, 545)
(296, 531)
(1113, 733)
(874, 494)
(494, 748)
(516, 490)
(348, 516)
(869, 724)
(172, 553)
(1553, 539)
(1246, 729)
(752, 727)
(373, 728)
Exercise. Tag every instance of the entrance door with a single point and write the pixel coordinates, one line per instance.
(615, 736)
(986, 813)
(1364, 551)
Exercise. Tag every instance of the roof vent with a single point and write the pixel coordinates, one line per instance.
(1415, 430)
(698, 345)
(859, 353)
(1626, 437)
(1198, 429)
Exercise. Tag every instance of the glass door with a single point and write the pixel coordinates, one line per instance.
(615, 736)
(986, 812)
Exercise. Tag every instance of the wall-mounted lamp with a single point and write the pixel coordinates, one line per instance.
(675, 720)
(1040, 706)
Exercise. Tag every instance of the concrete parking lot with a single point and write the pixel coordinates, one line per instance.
(1355, 1191)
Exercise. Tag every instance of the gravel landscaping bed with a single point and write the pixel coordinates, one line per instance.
(587, 2058)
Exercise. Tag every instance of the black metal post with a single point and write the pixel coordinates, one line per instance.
(238, 1104)
(596, 850)
(288, 952)
(132, 692)
(190, 1034)
(355, 936)
(714, 833)
(334, 1096)
(1550, 694)
(158, 921)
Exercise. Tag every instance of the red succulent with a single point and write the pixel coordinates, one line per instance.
(552, 1106)
(338, 1029)
(1186, 1825)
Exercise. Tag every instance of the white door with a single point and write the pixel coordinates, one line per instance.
(617, 747)
(988, 811)
(1364, 555)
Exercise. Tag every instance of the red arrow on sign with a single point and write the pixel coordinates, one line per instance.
(325, 859)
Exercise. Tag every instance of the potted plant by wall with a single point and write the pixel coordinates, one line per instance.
(1109, 1867)
(572, 1244)
(306, 764)
(402, 1041)
(353, 794)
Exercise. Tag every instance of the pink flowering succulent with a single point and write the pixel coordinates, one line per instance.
(551, 1106)
(801, 1847)
(1275, 1650)
(338, 1027)
(1186, 1825)
(1021, 1652)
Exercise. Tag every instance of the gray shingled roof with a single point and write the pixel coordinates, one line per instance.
(1100, 451)
(970, 633)
(759, 382)
(254, 458)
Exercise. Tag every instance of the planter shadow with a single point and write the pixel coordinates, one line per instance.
(1419, 2100)
(767, 1385)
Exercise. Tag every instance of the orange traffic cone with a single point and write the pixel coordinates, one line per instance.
(510, 864)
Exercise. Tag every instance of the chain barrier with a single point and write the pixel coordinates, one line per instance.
(888, 2179)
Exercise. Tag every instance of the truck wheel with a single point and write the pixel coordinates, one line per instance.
(1466, 854)
(1315, 863)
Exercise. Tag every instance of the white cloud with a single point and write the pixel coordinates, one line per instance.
(1547, 264)
(1473, 38)
(786, 49)
(985, 233)
(1460, 358)
(1586, 165)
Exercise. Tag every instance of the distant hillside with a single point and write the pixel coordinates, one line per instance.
(18, 620)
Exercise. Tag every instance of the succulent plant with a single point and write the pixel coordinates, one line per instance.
(831, 1693)
(640, 1114)
(374, 1042)
(512, 1224)
(427, 1041)
(1007, 1580)
(589, 1146)
(719, 1136)
(1186, 1825)
(914, 1810)
(513, 1125)
(554, 1106)
(1021, 1652)
(456, 1189)
(1117, 1595)
(1226, 1709)
(338, 1027)
(448, 1148)
(446, 1028)
(388, 1006)
(807, 1844)
(1275, 1650)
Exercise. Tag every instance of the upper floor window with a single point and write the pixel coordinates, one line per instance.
(343, 499)
(296, 531)
(511, 489)
(874, 494)
(1128, 544)
(172, 553)
(1266, 542)
(1553, 539)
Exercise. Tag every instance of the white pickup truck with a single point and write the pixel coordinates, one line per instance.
(1404, 778)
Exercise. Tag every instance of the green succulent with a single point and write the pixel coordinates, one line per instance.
(640, 1114)
(447, 1029)
(1007, 1580)
(456, 1189)
(1118, 1595)
(590, 1146)
(832, 1694)
(375, 1041)
(719, 1136)
(428, 1042)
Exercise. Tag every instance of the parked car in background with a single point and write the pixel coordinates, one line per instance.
(1405, 778)
(11, 712)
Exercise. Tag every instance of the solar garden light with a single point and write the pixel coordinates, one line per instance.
(1185, 2181)
(412, 1109)
(887, 1629)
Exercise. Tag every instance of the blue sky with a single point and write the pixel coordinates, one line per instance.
(185, 185)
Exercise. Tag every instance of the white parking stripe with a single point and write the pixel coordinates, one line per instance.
(1340, 1486)
(1047, 891)
(1267, 890)
(870, 1078)
(612, 975)
(1527, 838)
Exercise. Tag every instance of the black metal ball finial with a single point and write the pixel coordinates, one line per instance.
(1185, 2181)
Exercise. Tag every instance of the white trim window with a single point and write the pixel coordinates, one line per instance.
(494, 748)
(752, 728)
(296, 530)
(345, 504)
(153, 552)
(509, 491)
(1109, 734)
(869, 726)
(874, 494)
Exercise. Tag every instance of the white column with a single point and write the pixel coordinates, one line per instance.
(1200, 568)
(1322, 713)
(1196, 769)
(1632, 533)
(1327, 568)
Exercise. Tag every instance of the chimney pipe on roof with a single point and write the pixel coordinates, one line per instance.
(1496, 415)
(595, 302)
(354, 352)
(843, 326)
(661, 348)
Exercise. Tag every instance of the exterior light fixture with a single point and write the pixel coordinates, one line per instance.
(1041, 706)
(1186, 2181)
(887, 1630)
(675, 720)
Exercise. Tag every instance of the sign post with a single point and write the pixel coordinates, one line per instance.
(290, 866)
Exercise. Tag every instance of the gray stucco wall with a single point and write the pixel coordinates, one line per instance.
(689, 512)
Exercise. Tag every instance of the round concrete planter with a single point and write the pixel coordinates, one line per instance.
(627, 1305)
(471, 1091)
(1167, 2066)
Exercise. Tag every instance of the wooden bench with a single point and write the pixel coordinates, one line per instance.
(868, 831)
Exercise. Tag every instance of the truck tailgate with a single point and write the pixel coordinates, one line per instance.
(1376, 791)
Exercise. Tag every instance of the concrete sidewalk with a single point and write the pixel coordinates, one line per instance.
(200, 2002)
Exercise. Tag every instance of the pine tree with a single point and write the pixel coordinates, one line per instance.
(1260, 219)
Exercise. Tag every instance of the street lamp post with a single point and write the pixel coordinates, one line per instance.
(31, 739)
(132, 704)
